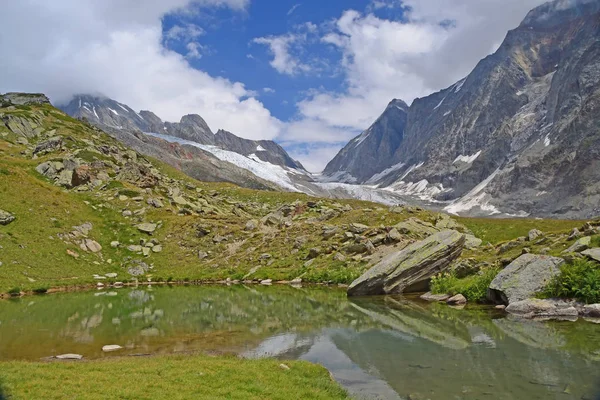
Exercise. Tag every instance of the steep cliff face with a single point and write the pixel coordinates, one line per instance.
(519, 135)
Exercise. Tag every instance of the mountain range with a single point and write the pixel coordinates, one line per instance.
(519, 136)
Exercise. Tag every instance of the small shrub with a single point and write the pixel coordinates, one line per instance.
(580, 280)
(170, 279)
(4, 171)
(596, 241)
(114, 185)
(128, 193)
(15, 291)
(474, 287)
(40, 290)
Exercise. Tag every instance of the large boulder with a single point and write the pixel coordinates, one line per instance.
(410, 269)
(416, 227)
(523, 278)
(594, 254)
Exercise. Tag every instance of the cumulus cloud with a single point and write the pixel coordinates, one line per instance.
(436, 43)
(115, 47)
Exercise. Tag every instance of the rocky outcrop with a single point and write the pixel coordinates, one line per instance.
(523, 278)
(412, 268)
(594, 254)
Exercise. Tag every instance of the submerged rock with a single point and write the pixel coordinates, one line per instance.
(457, 300)
(435, 297)
(411, 268)
(523, 278)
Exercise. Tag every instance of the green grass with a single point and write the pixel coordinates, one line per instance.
(580, 280)
(473, 287)
(167, 377)
(495, 230)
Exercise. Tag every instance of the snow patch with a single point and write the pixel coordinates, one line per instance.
(361, 192)
(262, 169)
(362, 137)
(447, 113)
(547, 141)
(475, 198)
(467, 159)
(439, 104)
(95, 113)
(421, 189)
(401, 108)
(340, 176)
(120, 105)
(459, 85)
(384, 173)
(113, 111)
(260, 148)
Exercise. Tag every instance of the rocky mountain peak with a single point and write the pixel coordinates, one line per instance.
(559, 12)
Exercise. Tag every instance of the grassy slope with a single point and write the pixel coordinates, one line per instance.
(34, 257)
(172, 377)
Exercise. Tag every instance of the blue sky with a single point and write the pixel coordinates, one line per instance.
(309, 74)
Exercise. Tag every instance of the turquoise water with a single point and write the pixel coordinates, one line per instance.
(377, 348)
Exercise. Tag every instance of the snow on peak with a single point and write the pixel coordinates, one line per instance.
(375, 178)
(113, 111)
(260, 148)
(547, 141)
(459, 85)
(362, 137)
(120, 105)
(475, 198)
(467, 159)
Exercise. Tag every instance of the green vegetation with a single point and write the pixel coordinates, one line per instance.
(495, 230)
(473, 287)
(580, 280)
(172, 377)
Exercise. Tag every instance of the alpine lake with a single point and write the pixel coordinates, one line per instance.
(375, 347)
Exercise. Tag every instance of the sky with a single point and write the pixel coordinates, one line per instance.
(309, 74)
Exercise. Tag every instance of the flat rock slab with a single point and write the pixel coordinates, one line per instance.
(111, 347)
(147, 228)
(594, 253)
(411, 268)
(541, 309)
(69, 357)
(523, 278)
(435, 297)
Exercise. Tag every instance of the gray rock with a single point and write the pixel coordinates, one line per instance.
(137, 268)
(435, 297)
(580, 245)
(394, 235)
(574, 234)
(416, 227)
(266, 282)
(114, 244)
(157, 248)
(591, 310)
(541, 309)
(358, 228)
(147, 228)
(251, 225)
(65, 179)
(156, 203)
(6, 217)
(472, 242)
(523, 278)
(593, 253)
(202, 255)
(136, 248)
(92, 246)
(411, 268)
(457, 300)
(296, 281)
(534, 234)
(111, 275)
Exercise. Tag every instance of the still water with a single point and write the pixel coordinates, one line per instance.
(377, 348)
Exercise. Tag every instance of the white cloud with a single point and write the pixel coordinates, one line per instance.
(279, 46)
(194, 50)
(385, 59)
(294, 7)
(115, 47)
(184, 32)
(268, 90)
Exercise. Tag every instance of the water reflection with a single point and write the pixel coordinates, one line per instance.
(377, 348)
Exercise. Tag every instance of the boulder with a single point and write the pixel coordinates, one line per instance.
(111, 347)
(457, 300)
(156, 203)
(594, 253)
(574, 234)
(6, 217)
(358, 228)
(411, 268)
(580, 245)
(534, 234)
(93, 246)
(591, 310)
(543, 309)
(65, 179)
(472, 242)
(523, 278)
(147, 228)
(251, 225)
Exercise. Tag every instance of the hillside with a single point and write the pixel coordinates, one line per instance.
(87, 210)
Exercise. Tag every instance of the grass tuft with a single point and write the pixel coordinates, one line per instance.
(579, 280)
(474, 287)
